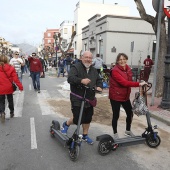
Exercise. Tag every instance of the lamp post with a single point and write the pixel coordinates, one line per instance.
(165, 103)
(55, 36)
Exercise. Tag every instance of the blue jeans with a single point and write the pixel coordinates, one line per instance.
(68, 68)
(35, 80)
(60, 70)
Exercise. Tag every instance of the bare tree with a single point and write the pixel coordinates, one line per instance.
(163, 44)
(65, 51)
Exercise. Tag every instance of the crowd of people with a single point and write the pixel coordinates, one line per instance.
(83, 71)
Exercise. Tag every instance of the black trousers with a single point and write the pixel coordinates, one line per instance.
(116, 112)
(10, 103)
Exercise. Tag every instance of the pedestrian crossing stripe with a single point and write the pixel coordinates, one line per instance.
(42, 99)
(18, 105)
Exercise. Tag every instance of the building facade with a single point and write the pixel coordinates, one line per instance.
(112, 34)
(66, 29)
(85, 10)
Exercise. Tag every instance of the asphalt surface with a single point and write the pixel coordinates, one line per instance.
(26, 144)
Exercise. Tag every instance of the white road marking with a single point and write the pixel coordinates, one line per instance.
(30, 87)
(18, 104)
(42, 99)
(33, 134)
(65, 93)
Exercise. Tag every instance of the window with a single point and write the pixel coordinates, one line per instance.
(49, 41)
(49, 34)
(65, 30)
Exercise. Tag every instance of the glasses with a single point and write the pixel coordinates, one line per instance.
(16, 54)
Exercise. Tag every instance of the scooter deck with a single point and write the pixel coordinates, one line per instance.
(127, 141)
(61, 137)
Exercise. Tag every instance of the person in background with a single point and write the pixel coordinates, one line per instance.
(7, 76)
(23, 67)
(68, 63)
(147, 68)
(43, 64)
(98, 63)
(119, 92)
(60, 66)
(82, 73)
(17, 63)
(36, 71)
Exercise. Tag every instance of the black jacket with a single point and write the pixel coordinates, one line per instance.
(76, 74)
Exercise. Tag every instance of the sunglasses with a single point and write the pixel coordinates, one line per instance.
(16, 54)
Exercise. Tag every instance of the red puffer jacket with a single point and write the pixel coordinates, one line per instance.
(5, 84)
(121, 83)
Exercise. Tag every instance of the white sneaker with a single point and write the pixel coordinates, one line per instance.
(129, 133)
(19, 91)
(116, 136)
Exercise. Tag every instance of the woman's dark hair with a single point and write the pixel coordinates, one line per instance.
(3, 60)
(119, 55)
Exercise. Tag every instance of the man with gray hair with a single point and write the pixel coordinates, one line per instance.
(82, 73)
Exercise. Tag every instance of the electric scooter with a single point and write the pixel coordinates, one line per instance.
(74, 142)
(108, 143)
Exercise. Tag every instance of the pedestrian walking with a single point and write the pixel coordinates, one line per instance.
(82, 73)
(98, 63)
(68, 63)
(147, 68)
(60, 66)
(43, 64)
(119, 92)
(8, 75)
(17, 63)
(36, 71)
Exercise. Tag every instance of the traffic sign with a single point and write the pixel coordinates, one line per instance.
(166, 3)
(167, 12)
(155, 4)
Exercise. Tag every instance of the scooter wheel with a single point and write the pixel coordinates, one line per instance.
(74, 153)
(152, 141)
(104, 147)
(56, 125)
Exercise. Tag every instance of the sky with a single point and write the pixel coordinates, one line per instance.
(25, 21)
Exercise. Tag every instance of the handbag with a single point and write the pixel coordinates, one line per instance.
(14, 87)
(138, 105)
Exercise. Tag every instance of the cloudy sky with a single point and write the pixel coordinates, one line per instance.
(26, 20)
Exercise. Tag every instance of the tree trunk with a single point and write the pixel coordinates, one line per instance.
(64, 52)
(162, 46)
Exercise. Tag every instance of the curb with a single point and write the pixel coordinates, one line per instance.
(155, 117)
(160, 118)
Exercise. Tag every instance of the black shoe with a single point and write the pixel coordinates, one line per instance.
(11, 115)
(38, 91)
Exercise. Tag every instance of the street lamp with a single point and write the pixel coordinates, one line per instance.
(165, 103)
(55, 36)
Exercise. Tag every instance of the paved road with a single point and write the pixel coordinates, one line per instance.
(25, 142)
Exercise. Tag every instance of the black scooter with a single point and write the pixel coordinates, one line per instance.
(107, 143)
(74, 142)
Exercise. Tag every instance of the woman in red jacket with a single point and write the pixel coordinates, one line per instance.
(119, 92)
(6, 88)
